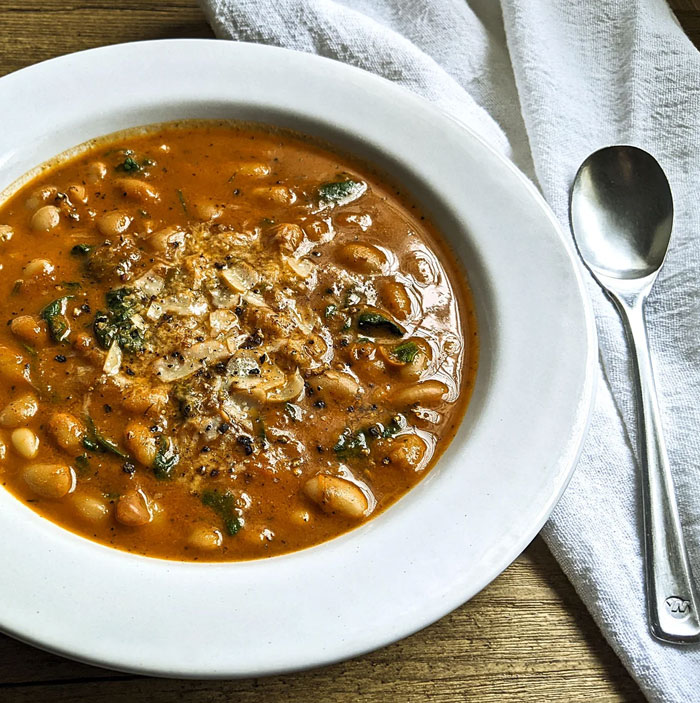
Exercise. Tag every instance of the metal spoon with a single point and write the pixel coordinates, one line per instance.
(621, 215)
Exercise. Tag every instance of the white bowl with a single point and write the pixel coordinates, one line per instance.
(459, 528)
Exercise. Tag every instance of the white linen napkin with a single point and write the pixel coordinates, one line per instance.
(548, 82)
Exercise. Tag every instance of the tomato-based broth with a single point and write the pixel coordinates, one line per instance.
(223, 342)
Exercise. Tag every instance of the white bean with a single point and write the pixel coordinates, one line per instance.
(45, 218)
(133, 509)
(25, 442)
(169, 238)
(287, 237)
(12, 366)
(423, 393)
(67, 431)
(279, 194)
(96, 171)
(40, 196)
(137, 189)
(113, 223)
(90, 508)
(19, 410)
(337, 385)
(6, 233)
(254, 169)
(205, 538)
(77, 193)
(363, 258)
(38, 267)
(31, 330)
(207, 210)
(141, 443)
(49, 480)
(407, 452)
(336, 495)
(395, 299)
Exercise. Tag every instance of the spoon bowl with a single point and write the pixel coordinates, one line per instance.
(621, 216)
(622, 213)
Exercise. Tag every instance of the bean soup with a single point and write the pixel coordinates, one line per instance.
(223, 342)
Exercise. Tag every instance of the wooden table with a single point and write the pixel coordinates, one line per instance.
(527, 637)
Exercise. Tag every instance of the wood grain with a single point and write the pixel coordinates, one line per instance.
(525, 638)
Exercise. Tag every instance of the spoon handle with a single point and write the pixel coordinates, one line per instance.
(671, 596)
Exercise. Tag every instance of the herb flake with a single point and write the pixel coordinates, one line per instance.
(95, 441)
(406, 352)
(129, 165)
(166, 459)
(224, 505)
(340, 192)
(54, 314)
(373, 322)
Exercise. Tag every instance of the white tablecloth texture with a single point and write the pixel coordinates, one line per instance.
(547, 82)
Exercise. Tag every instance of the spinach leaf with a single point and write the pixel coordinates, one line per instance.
(190, 403)
(95, 441)
(394, 426)
(122, 302)
(81, 249)
(82, 463)
(127, 335)
(90, 445)
(351, 444)
(181, 198)
(262, 433)
(129, 165)
(340, 192)
(116, 324)
(55, 316)
(371, 322)
(166, 459)
(130, 337)
(406, 352)
(104, 330)
(71, 285)
(330, 310)
(224, 504)
(30, 349)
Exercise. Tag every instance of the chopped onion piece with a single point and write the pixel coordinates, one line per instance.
(244, 369)
(240, 276)
(222, 321)
(224, 298)
(301, 267)
(289, 391)
(139, 322)
(238, 411)
(255, 300)
(154, 312)
(193, 359)
(247, 372)
(289, 305)
(150, 283)
(234, 342)
(113, 360)
(272, 377)
(185, 303)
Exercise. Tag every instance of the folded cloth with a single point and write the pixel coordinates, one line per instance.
(547, 82)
